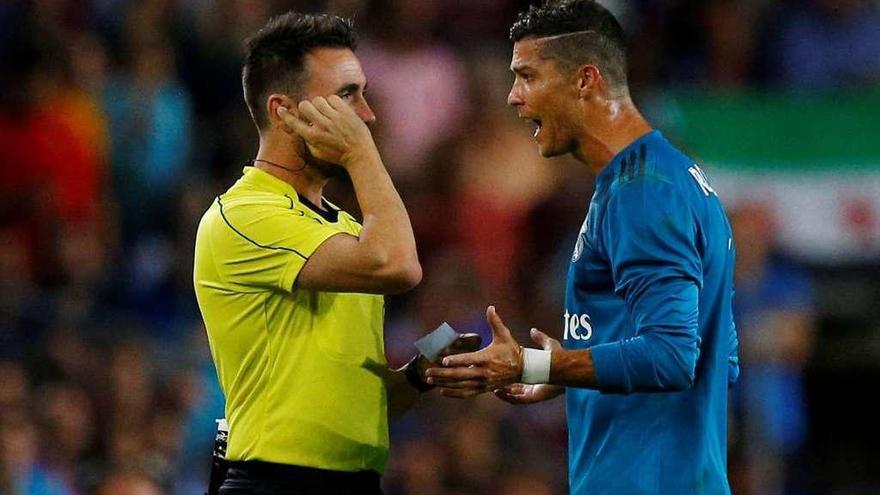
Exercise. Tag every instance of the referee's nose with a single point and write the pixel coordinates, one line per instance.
(366, 113)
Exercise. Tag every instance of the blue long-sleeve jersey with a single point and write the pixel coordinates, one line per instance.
(649, 291)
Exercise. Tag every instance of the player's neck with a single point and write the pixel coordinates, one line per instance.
(283, 162)
(615, 126)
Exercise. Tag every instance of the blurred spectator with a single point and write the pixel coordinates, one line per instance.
(474, 452)
(731, 34)
(131, 389)
(416, 82)
(128, 483)
(822, 44)
(81, 294)
(199, 400)
(447, 295)
(14, 390)
(209, 38)
(417, 467)
(21, 304)
(51, 144)
(150, 119)
(463, 22)
(21, 470)
(775, 318)
(490, 203)
(693, 42)
(68, 416)
(525, 484)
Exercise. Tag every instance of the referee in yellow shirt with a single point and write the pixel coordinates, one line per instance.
(291, 288)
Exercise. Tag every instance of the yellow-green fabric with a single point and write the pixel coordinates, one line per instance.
(302, 370)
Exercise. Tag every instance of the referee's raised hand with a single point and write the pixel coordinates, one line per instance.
(331, 129)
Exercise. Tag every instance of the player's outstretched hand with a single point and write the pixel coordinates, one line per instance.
(465, 342)
(545, 341)
(521, 393)
(331, 129)
(498, 365)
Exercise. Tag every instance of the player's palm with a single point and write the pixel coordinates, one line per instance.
(521, 393)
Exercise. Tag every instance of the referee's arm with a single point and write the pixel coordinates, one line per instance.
(402, 395)
(406, 383)
(382, 259)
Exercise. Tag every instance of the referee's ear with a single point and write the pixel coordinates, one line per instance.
(273, 102)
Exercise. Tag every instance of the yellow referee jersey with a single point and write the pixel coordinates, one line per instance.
(301, 370)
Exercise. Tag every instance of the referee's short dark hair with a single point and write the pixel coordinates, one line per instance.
(274, 61)
(580, 32)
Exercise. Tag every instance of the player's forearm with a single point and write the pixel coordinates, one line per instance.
(662, 357)
(572, 368)
(643, 364)
(386, 226)
(652, 362)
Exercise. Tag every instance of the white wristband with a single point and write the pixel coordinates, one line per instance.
(536, 366)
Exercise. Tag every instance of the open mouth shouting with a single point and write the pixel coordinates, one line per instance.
(534, 120)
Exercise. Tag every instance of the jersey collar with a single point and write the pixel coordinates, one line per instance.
(269, 182)
(606, 176)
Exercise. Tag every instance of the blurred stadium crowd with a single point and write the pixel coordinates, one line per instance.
(121, 120)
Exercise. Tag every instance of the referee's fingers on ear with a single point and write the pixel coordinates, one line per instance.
(323, 106)
(308, 110)
(296, 124)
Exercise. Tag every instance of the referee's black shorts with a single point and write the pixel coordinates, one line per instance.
(266, 478)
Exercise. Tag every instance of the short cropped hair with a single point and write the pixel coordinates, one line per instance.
(579, 32)
(274, 61)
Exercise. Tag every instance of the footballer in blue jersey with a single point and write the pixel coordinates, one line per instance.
(648, 345)
(649, 292)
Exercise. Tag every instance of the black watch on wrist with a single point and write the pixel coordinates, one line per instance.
(411, 371)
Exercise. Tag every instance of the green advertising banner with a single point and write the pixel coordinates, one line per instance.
(812, 160)
(767, 132)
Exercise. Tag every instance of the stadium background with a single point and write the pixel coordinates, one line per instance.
(120, 121)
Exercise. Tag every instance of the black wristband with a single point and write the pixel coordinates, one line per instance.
(411, 371)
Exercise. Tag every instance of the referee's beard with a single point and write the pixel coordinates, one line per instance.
(328, 170)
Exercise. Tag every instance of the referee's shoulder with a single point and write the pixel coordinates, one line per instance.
(245, 212)
(246, 202)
